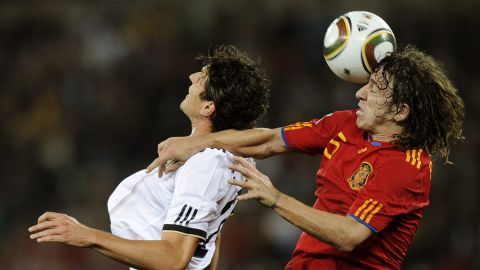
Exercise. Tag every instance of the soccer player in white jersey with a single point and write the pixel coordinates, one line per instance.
(172, 222)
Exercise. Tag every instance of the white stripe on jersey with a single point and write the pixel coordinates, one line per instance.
(194, 200)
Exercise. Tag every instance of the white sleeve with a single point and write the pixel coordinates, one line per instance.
(198, 186)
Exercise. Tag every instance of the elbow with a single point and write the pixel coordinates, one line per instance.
(173, 266)
(347, 243)
(261, 156)
(264, 152)
(346, 247)
(179, 264)
(173, 263)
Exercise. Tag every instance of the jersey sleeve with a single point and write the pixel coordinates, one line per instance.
(396, 188)
(198, 185)
(312, 137)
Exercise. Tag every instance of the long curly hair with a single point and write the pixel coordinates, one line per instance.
(237, 86)
(437, 112)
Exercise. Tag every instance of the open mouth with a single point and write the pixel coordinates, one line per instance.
(359, 111)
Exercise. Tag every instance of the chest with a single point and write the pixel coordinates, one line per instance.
(347, 166)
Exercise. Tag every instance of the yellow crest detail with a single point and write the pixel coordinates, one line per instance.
(360, 177)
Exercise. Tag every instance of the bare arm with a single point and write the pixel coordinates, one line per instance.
(257, 142)
(343, 232)
(174, 251)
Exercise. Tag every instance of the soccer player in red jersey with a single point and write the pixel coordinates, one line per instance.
(374, 178)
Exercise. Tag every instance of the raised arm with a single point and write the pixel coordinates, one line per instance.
(174, 251)
(257, 142)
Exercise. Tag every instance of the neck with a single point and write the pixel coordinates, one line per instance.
(381, 137)
(386, 134)
(201, 127)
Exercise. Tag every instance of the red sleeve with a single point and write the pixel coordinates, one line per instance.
(393, 189)
(312, 137)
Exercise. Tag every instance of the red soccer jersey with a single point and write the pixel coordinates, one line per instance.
(377, 184)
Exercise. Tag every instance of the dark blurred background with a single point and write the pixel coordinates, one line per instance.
(88, 89)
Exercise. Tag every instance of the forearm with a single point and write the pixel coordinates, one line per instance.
(142, 254)
(257, 142)
(174, 251)
(342, 232)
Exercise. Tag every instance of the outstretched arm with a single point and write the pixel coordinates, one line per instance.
(174, 251)
(343, 232)
(257, 142)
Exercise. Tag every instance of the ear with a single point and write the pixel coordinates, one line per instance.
(208, 108)
(402, 113)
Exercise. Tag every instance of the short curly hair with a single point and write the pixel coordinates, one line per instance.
(237, 86)
(436, 113)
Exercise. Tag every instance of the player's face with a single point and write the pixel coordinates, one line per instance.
(373, 101)
(192, 103)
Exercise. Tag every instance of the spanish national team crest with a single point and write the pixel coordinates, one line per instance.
(360, 177)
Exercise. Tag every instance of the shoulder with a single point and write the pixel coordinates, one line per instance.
(412, 160)
(205, 174)
(329, 120)
(411, 167)
(339, 118)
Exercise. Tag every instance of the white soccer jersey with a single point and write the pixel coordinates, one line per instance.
(194, 200)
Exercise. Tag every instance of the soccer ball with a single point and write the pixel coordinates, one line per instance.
(354, 44)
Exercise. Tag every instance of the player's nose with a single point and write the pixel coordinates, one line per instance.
(194, 76)
(361, 93)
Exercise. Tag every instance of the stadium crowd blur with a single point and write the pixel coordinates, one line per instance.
(88, 88)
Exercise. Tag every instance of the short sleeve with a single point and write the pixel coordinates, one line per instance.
(312, 137)
(198, 184)
(396, 188)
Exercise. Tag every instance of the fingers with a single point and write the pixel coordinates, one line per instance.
(51, 238)
(161, 169)
(48, 216)
(243, 162)
(158, 162)
(239, 183)
(45, 233)
(244, 167)
(246, 196)
(48, 228)
(174, 166)
(251, 166)
(42, 226)
(153, 165)
(243, 170)
(46, 222)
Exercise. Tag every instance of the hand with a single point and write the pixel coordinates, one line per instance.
(57, 227)
(172, 153)
(258, 185)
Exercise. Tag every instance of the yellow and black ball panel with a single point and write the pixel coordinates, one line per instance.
(344, 26)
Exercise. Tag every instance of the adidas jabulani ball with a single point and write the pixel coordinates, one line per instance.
(354, 44)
